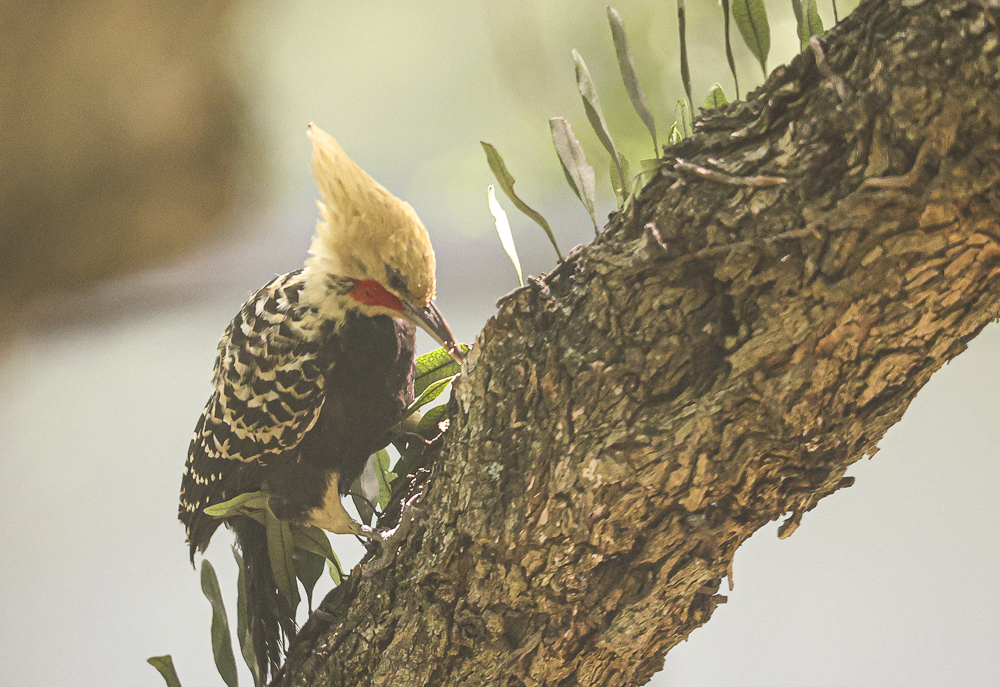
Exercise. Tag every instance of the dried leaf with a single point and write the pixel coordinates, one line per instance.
(592, 106)
(503, 231)
(579, 173)
(506, 181)
(385, 478)
(627, 66)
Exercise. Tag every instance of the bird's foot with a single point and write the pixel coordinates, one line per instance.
(392, 540)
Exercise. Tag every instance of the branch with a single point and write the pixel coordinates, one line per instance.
(716, 360)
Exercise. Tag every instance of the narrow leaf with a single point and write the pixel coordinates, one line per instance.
(579, 173)
(369, 479)
(627, 66)
(683, 114)
(592, 106)
(716, 97)
(243, 633)
(751, 20)
(836, 18)
(618, 183)
(244, 504)
(366, 513)
(626, 173)
(336, 572)
(165, 664)
(685, 68)
(385, 478)
(808, 21)
(309, 568)
(429, 394)
(280, 547)
(729, 47)
(503, 231)
(222, 647)
(506, 181)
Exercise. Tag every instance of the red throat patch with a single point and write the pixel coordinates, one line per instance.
(370, 292)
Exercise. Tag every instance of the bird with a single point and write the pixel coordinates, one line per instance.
(311, 376)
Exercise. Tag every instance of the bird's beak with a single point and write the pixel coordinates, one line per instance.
(429, 319)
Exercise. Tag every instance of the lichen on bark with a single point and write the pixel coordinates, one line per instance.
(713, 362)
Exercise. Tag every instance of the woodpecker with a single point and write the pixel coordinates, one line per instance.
(311, 375)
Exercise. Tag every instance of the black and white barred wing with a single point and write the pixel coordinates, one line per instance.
(268, 394)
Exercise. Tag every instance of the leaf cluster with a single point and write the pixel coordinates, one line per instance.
(751, 20)
(299, 554)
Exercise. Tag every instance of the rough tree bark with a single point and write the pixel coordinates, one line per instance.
(716, 360)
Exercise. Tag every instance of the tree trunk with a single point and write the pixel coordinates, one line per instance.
(716, 360)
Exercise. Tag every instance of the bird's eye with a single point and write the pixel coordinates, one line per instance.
(395, 280)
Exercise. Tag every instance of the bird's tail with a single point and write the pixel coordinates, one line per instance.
(269, 616)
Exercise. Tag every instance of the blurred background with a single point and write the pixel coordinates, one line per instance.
(154, 172)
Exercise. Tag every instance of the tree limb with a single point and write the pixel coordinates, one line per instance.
(714, 361)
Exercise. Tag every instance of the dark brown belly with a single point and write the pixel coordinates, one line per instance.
(369, 382)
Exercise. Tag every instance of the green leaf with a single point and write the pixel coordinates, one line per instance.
(579, 173)
(385, 478)
(627, 66)
(503, 231)
(729, 47)
(592, 106)
(429, 394)
(280, 548)
(309, 568)
(244, 504)
(336, 573)
(313, 539)
(506, 182)
(683, 114)
(222, 647)
(242, 627)
(437, 364)
(674, 137)
(619, 180)
(716, 97)
(685, 67)
(412, 455)
(165, 664)
(751, 20)
(807, 19)
(430, 420)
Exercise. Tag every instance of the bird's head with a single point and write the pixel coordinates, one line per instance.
(370, 252)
